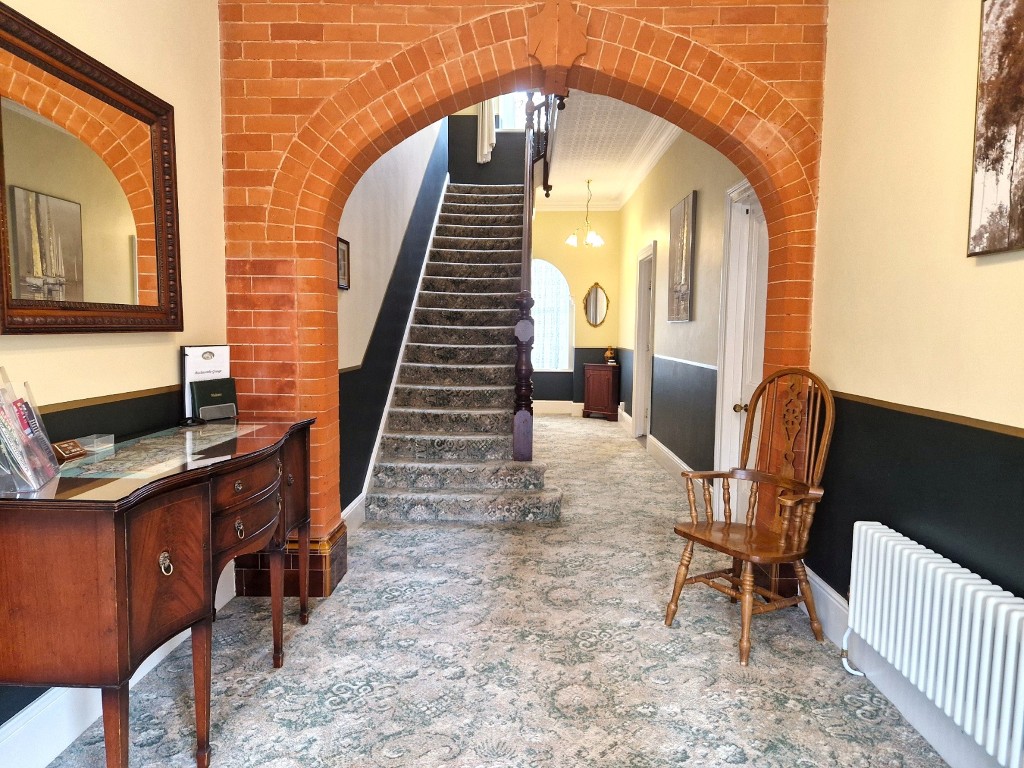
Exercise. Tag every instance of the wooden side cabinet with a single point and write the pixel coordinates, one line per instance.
(109, 562)
(601, 390)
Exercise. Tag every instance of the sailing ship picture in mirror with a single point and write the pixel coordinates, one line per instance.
(89, 230)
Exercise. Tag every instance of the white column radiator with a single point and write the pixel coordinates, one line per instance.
(956, 636)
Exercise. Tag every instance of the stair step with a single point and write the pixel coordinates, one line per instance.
(486, 208)
(465, 354)
(451, 421)
(508, 243)
(456, 375)
(438, 333)
(484, 285)
(467, 198)
(475, 218)
(497, 506)
(421, 476)
(479, 231)
(428, 396)
(453, 269)
(486, 189)
(475, 301)
(439, 255)
(465, 317)
(434, 448)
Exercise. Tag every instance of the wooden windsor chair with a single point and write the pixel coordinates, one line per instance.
(786, 437)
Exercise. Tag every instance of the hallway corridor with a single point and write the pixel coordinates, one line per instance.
(522, 645)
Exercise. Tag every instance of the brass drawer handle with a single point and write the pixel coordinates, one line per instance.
(280, 467)
(240, 528)
(166, 566)
(280, 503)
(239, 486)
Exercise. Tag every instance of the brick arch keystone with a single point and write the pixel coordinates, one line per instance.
(684, 82)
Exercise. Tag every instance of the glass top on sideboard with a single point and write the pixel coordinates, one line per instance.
(117, 472)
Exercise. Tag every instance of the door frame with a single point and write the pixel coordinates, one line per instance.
(738, 304)
(643, 340)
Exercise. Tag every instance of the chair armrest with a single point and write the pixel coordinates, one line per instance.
(792, 499)
(778, 481)
(715, 475)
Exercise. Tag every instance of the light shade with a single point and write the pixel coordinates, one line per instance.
(591, 239)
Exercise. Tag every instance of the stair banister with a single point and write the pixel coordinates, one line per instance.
(522, 414)
(539, 147)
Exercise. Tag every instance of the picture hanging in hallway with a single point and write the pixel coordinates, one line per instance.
(682, 222)
(343, 264)
(997, 199)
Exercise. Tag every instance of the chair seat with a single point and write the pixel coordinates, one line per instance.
(747, 543)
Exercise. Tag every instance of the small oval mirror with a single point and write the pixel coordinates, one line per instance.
(595, 305)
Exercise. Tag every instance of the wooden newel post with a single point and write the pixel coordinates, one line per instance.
(522, 418)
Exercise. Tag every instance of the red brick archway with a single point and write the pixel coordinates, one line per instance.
(282, 294)
(121, 141)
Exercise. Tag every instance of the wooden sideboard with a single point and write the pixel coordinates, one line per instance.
(121, 552)
(601, 390)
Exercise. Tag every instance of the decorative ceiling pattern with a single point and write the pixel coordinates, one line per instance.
(613, 143)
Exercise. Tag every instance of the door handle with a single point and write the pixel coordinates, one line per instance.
(738, 408)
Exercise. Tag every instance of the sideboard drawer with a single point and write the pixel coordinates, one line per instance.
(245, 483)
(241, 525)
(169, 586)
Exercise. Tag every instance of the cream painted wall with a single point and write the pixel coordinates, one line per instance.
(374, 222)
(582, 267)
(172, 50)
(900, 313)
(688, 165)
(78, 174)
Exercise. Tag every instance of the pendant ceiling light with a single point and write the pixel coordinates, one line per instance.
(590, 237)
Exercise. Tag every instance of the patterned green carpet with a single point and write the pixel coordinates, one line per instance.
(522, 645)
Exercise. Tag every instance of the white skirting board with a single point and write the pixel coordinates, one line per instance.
(625, 420)
(354, 514)
(668, 460)
(34, 737)
(557, 408)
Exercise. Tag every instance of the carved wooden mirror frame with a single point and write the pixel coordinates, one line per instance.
(30, 42)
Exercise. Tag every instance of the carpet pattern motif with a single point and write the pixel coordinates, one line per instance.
(522, 646)
(447, 449)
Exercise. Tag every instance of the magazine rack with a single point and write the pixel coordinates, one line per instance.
(27, 461)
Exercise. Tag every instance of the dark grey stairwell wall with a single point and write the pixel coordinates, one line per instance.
(507, 157)
(363, 392)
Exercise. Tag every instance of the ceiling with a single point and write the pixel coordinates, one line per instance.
(613, 143)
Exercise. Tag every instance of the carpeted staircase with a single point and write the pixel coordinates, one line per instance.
(446, 452)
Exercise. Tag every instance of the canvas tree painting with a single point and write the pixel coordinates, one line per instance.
(997, 200)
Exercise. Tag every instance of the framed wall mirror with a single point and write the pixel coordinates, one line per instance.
(595, 305)
(88, 215)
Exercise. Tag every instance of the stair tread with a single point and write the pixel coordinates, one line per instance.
(467, 346)
(480, 492)
(418, 409)
(462, 365)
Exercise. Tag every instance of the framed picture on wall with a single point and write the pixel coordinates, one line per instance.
(682, 223)
(47, 247)
(997, 193)
(343, 264)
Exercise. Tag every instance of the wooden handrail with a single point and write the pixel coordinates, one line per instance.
(539, 147)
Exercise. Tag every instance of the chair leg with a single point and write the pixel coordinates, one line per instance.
(746, 610)
(805, 592)
(684, 567)
(736, 563)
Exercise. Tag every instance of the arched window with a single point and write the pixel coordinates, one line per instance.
(552, 316)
